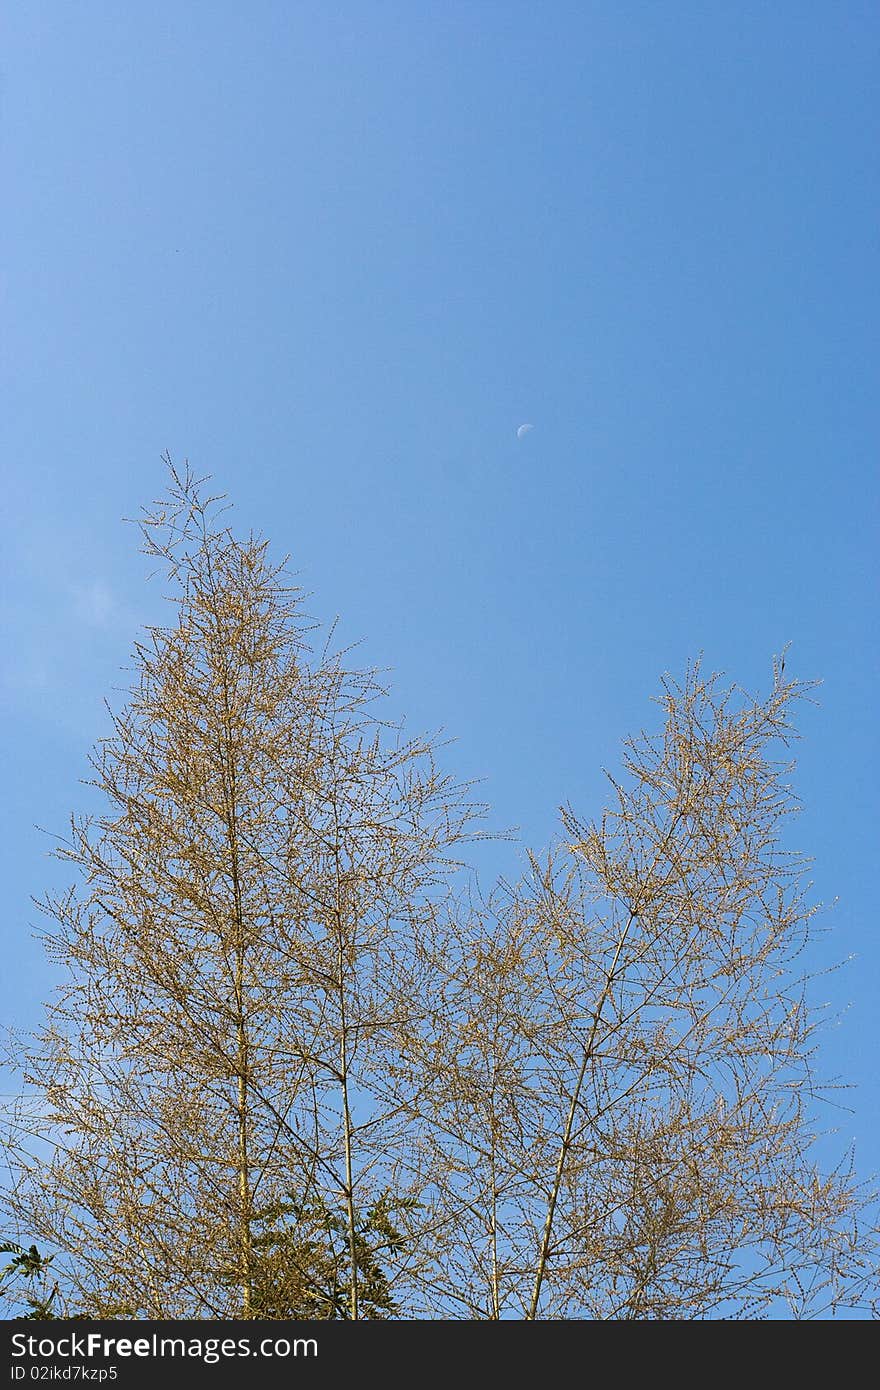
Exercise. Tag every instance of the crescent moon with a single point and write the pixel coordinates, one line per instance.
(523, 429)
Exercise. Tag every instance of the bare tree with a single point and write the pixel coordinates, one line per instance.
(289, 1075)
(624, 1106)
(238, 959)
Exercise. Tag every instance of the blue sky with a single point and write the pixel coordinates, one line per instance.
(336, 254)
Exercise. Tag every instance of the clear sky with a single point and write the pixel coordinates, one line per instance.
(335, 254)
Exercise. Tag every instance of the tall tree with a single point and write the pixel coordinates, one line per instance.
(625, 1101)
(238, 951)
(289, 1074)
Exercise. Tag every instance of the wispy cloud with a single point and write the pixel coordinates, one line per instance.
(69, 630)
(94, 604)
